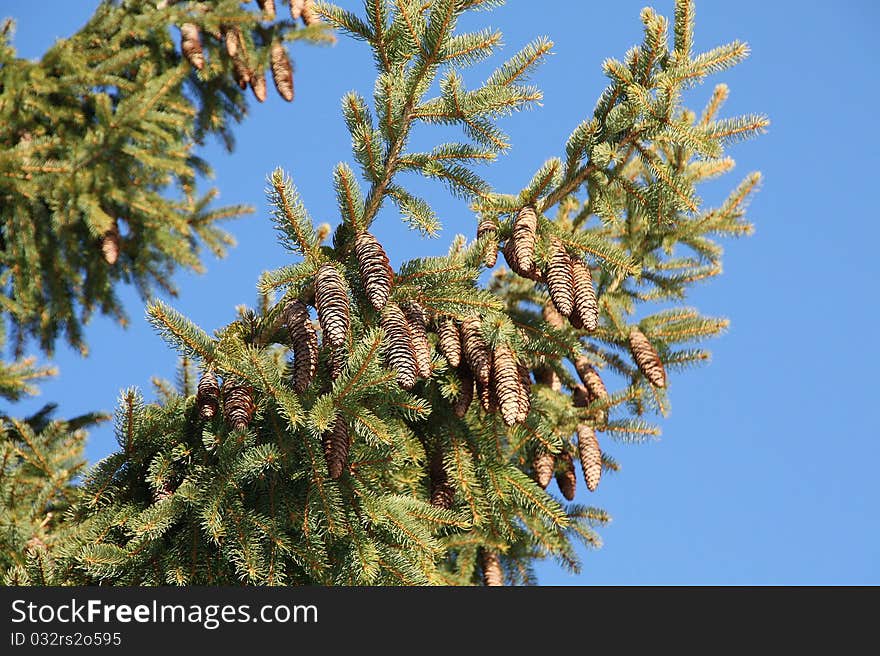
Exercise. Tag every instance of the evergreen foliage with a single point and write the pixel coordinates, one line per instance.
(376, 472)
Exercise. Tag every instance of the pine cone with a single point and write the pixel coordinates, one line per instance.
(559, 279)
(463, 402)
(399, 353)
(566, 479)
(296, 9)
(525, 228)
(586, 309)
(516, 266)
(232, 40)
(268, 7)
(488, 398)
(591, 379)
(336, 445)
(238, 405)
(590, 456)
(546, 376)
(191, 45)
(418, 320)
(647, 358)
(258, 85)
(282, 71)
(208, 396)
(309, 14)
(543, 465)
(242, 73)
(449, 341)
(490, 564)
(525, 393)
(375, 270)
(110, 244)
(476, 351)
(506, 382)
(337, 362)
(580, 397)
(304, 341)
(332, 302)
(551, 315)
(442, 492)
(487, 226)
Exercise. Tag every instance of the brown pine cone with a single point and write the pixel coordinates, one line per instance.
(282, 71)
(304, 341)
(442, 492)
(418, 320)
(586, 308)
(399, 353)
(336, 446)
(647, 358)
(509, 252)
(506, 382)
(525, 393)
(296, 9)
(208, 395)
(543, 466)
(268, 7)
(559, 279)
(110, 244)
(466, 395)
(546, 376)
(566, 479)
(476, 351)
(488, 398)
(551, 315)
(490, 565)
(449, 341)
(191, 45)
(332, 302)
(487, 226)
(580, 397)
(232, 40)
(242, 73)
(523, 238)
(591, 379)
(590, 456)
(258, 85)
(376, 273)
(309, 13)
(238, 404)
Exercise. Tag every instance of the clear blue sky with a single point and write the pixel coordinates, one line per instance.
(766, 472)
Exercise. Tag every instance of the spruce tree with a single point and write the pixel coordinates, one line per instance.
(391, 462)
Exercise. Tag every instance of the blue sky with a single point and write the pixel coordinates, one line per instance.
(766, 469)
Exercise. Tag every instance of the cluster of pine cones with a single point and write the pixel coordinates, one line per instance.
(246, 72)
(237, 400)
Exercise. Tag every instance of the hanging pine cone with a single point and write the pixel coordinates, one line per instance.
(282, 71)
(488, 398)
(375, 269)
(242, 73)
(268, 8)
(647, 358)
(296, 9)
(418, 320)
(309, 14)
(336, 445)
(466, 395)
(543, 466)
(590, 456)
(525, 393)
(591, 379)
(566, 479)
(110, 244)
(490, 564)
(559, 279)
(509, 252)
(551, 315)
(232, 41)
(476, 351)
(580, 397)
(191, 45)
(332, 302)
(258, 85)
(208, 396)
(399, 353)
(238, 405)
(304, 341)
(506, 381)
(485, 227)
(546, 376)
(449, 341)
(336, 363)
(442, 492)
(525, 228)
(586, 308)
